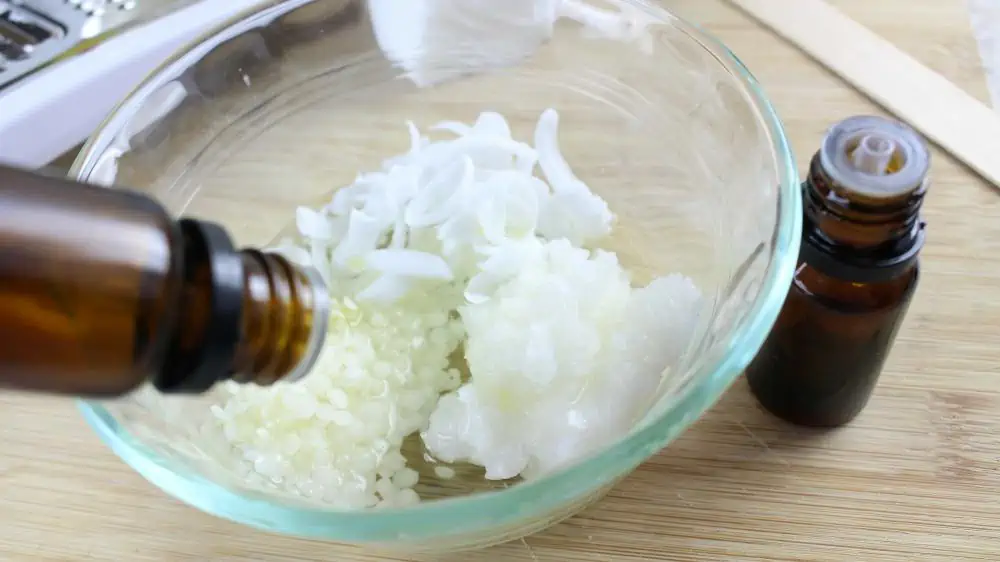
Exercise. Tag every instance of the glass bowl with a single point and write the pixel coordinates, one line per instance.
(284, 104)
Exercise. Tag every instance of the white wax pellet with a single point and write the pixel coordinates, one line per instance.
(444, 472)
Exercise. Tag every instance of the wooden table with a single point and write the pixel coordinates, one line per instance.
(915, 478)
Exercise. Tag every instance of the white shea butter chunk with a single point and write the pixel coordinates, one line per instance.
(564, 357)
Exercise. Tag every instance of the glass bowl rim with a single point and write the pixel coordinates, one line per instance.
(495, 507)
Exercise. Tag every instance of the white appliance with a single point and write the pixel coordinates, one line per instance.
(48, 105)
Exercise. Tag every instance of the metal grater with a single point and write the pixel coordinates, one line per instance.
(34, 33)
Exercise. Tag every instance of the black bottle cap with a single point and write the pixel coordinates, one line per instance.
(874, 266)
(197, 369)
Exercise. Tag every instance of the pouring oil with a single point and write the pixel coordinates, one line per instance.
(102, 291)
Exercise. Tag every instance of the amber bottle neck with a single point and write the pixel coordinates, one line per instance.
(241, 315)
(285, 312)
(851, 236)
(850, 219)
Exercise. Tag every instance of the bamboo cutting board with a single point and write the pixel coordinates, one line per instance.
(915, 478)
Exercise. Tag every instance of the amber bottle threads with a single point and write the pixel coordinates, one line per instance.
(856, 274)
(102, 291)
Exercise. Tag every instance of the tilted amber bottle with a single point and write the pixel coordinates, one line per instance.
(101, 291)
(857, 272)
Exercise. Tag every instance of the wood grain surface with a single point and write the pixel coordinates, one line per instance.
(968, 131)
(915, 478)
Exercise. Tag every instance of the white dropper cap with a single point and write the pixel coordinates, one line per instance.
(873, 154)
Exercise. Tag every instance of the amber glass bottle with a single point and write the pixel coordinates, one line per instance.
(856, 274)
(101, 291)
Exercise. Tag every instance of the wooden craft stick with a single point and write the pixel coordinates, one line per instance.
(917, 95)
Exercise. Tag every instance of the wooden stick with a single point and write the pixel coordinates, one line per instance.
(930, 103)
